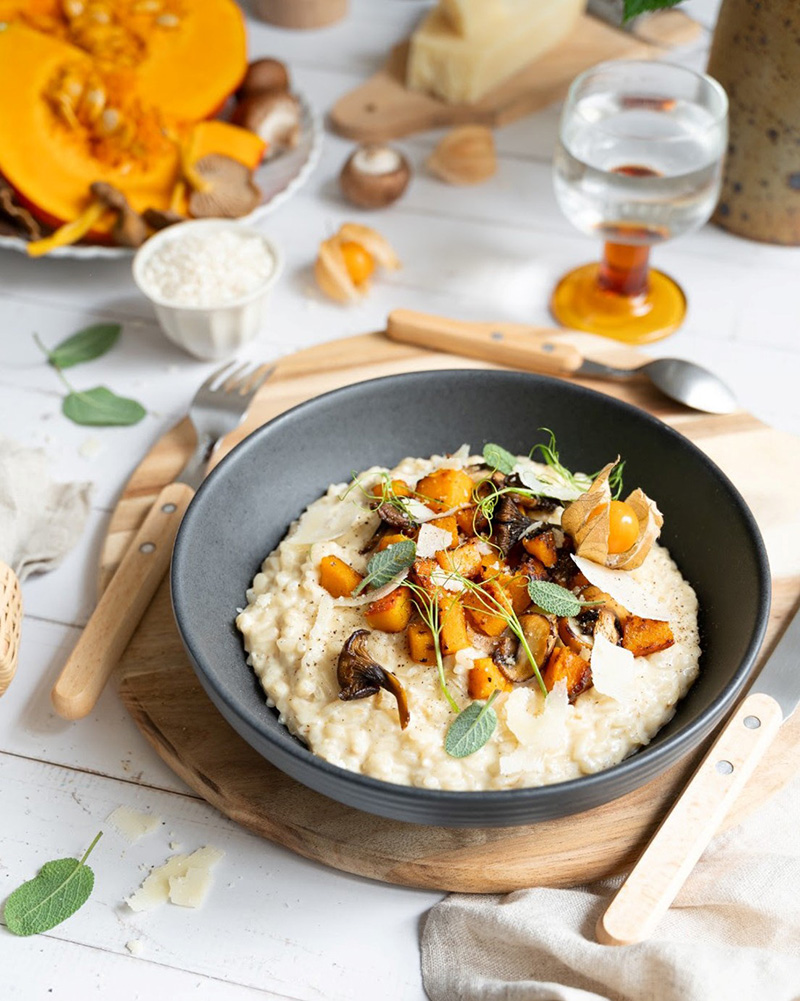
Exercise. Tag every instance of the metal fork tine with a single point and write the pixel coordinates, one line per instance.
(255, 380)
(217, 375)
(235, 378)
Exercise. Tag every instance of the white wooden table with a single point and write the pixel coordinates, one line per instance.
(274, 924)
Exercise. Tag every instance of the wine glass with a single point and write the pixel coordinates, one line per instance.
(638, 161)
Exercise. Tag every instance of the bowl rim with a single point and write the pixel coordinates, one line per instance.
(646, 758)
(176, 232)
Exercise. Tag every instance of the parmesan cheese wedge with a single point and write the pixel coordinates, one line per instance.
(623, 587)
(613, 670)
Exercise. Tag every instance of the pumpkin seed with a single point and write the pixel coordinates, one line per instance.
(168, 20)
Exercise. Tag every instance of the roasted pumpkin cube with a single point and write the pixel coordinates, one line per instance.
(465, 560)
(445, 489)
(563, 663)
(337, 577)
(392, 613)
(533, 567)
(390, 539)
(543, 547)
(592, 593)
(421, 645)
(453, 634)
(482, 610)
(491, 565)
(449, 524)
(398, 487)
(485, 677)
(468, 521)
(645, 636)
(516, 588)
(422, 571)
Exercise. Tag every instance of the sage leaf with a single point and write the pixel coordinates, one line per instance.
(85, 345)
(553, 598)
(499, 458)
(471, 729)
(100, 407)
(636, 7)
(54, 894)
(388, 564)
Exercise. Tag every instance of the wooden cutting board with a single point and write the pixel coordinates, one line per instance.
(159, 688)
(382, 108)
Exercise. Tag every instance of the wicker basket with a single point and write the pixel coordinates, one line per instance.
(10, 624)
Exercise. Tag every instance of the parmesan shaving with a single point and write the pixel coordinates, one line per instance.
(131, 824)
(157, 887)
(623, 587)
(543, 480)
(613, 670)
(431, 539)
(325, 523)
(445, 579)
(545, 733)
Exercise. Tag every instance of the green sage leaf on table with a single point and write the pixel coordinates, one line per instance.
(499, 458)
(100, 407)
(85, 345)
(635, 7)
(471, 729)
(553, 598)
(388, 564)
(53, 895)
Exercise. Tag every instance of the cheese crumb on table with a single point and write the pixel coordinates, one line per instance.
(134, 947)
(183, 879)
(131, 824)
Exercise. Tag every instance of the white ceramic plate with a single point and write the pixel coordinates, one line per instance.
(278, 180)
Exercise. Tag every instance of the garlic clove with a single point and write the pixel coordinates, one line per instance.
(466, 155)
(374, 176)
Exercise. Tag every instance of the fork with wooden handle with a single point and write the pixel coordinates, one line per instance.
(219, 405)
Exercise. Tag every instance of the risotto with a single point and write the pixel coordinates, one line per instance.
(513, 596)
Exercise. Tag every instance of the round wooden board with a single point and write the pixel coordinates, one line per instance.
(159, 688)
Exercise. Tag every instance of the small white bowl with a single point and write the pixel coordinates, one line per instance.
(208, 332)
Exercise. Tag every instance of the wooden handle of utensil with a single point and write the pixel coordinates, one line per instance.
(121, 606)
(536, 349)
(10, 624)
(675, 848)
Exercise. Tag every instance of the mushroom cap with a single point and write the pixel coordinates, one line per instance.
(233, 193)
(264, 76)
(374, 176)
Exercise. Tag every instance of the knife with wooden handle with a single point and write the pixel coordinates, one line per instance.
(675, 848)
(121, 606)
(517, 345)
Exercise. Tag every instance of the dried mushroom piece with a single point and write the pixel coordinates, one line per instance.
(359, 676)
(587, 522)
(231, 193)
(19, 219)
(129, 229)
(160, 219)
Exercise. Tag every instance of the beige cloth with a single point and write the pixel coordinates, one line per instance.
(733, 933)
(40, 521)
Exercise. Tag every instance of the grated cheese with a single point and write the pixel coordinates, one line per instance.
(208, 270)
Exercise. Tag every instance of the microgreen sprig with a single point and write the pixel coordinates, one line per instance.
(551, 458)
(428, 607)
(615, 480)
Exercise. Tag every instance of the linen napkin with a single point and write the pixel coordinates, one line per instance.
(732, 934)
(40, 520)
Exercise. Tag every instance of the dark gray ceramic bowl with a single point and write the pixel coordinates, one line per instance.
(245, 506)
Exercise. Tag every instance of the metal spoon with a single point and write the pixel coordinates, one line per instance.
(539, 349)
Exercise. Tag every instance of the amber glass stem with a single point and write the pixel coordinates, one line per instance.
(624, 269)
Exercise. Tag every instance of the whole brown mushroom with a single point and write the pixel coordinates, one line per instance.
(273, 117)
(374, 176)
